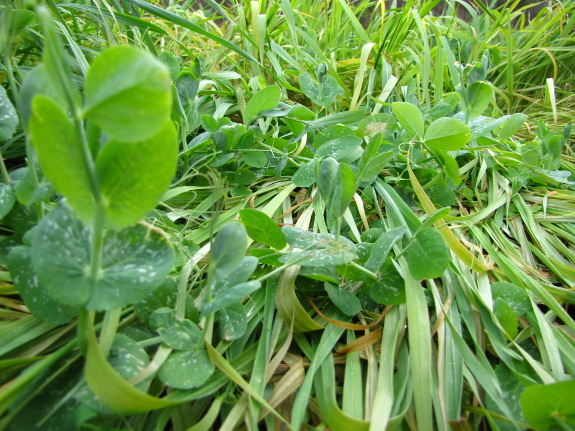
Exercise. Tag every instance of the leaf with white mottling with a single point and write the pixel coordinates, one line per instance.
(317, 249)
(135, 261)
(8, 117)
(230, 296)
(7, 199)
(233, 322)
(187, 369)
(179, 334)
(35, 296)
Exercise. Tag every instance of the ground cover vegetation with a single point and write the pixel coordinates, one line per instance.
(287, 215)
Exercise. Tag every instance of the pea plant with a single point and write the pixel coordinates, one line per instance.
(110, 153)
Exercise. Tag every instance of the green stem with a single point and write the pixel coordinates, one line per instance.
(85, 321)
(371, 274)
(109, 329)
(5, 176)
(561, 423)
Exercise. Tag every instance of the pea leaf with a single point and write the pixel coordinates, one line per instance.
(133, 176)
(542, 403)
(179, 334)
(239, 275)
(135, 261)
(410, 118)
(506, 317)
(306, 174)
(317, 249)
(128, 94)
(427, 256)
(343, 299)
(512, 295)
(35, 296)
(255, 159)
(381, 248)
(262, 229)
(60, 154)
(187, 369)
(336, 183)
(372, 161)
(8, 117)
(478, 95)
(324, 93)
(7, 199)
(230, 296)
(447, 134)
(390, 288)
(233, 322)
(512, 125)
(266, 98)
(228, 249)
(245, 177)
(344, 148)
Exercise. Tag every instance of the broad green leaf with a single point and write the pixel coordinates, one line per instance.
(327, 174)
(410, 118)
(133, 176)
(230, 296)
(390, 288)
(427, 256)
(305, 176)
(343, 299)
(229, 249)
(346, 148)
(233, 322)
(372, 161)
(187, 86)
(135, 261)
(381, 248)
(171, 62)
(262, 229)
(451, 167)
(512, 125)
(128, 94)
(163, 296)
(512, 295)
(35, 296)
(239, 275)
(7, 199)
(478, 95)
(541, 404)
(8, 117)
(447, 134)
(245, 177)
(178, 334)
(506, 317)
(187, 369)
(266, 98)
(255, 159)
(112, 389)
(336, 183)
(317, 249)
(323, 94)
(60, 154)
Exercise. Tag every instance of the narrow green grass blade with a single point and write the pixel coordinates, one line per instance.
(176, 19)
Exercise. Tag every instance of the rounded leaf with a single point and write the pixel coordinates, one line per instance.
(410, 118)
(427, 256)
(541, 403)
(60, 154)
(187, 369)
(38, 300)
(135, 261)
(128, 94)
(133, 176)
(262, 229)
(447, 134)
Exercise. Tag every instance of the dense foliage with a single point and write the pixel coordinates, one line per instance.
(287, 215)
